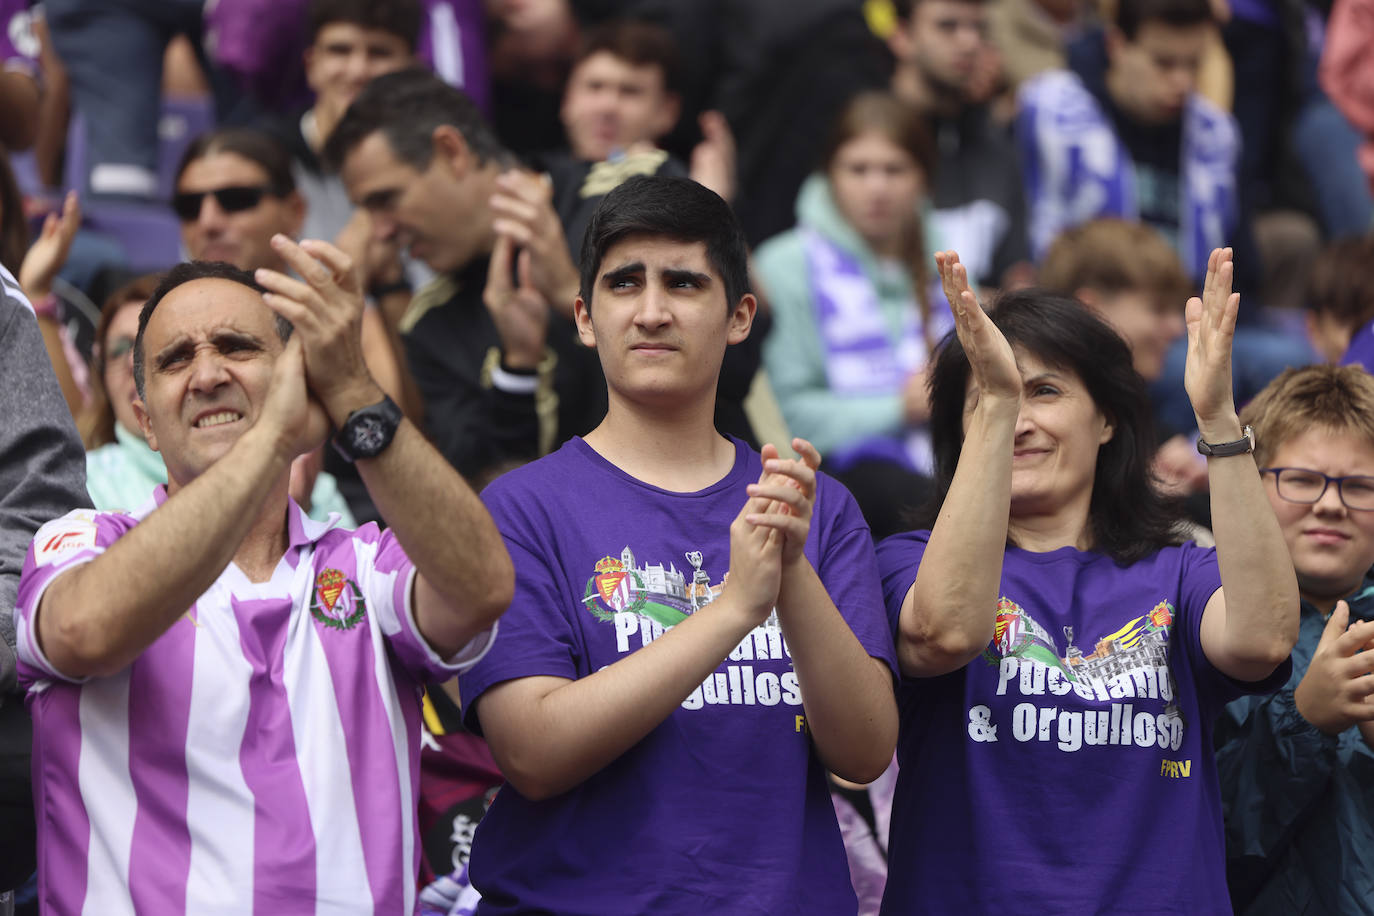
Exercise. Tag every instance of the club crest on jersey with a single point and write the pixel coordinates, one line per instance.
(338, 602)
(617, 587)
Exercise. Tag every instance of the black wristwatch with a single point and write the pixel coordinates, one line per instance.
(368, 430)
(1242, 446)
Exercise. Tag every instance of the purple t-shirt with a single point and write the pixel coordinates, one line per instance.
(18, 43)
(1361, 350)
(722, 808)
(261, 756)
(1069, 768)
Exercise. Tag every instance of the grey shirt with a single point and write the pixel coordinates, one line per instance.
(42, 464)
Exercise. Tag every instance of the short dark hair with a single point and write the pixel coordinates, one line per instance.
(674, 208)
(407, 106)
(1131, 15)
(186, 272)
(259, 147)
(1129, 516)
(401, 18)
(1342, 281)
(639, 43)
(905, 9)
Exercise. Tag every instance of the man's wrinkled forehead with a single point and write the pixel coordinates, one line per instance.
(201, 305)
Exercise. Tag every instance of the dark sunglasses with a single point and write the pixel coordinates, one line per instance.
(230, 200)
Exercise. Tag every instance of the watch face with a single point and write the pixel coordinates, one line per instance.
(369, 436)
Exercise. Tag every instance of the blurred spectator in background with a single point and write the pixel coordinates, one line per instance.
(856, 317)
(622, 91)
(980, 206)
(1299, 174)
(348, 43)
(621, 99)
(121, 470)
(1347, 71)
(1130, 276)
(18, 75)
(37, 266)
(1295, 766)
(501, 376)
(259, 45)
(1340, 303)
(777, 70)
(234, 191)
(1032, 34)
(1133, 138)
(96, 40)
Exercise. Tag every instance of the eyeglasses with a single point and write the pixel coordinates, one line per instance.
(120, 349)
(116, 356)
(231, 200)
(1299, 485)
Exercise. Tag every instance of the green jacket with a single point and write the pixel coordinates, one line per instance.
(1298, 804)
(793, 354)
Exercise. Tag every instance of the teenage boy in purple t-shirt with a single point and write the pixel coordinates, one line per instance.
(692, 643)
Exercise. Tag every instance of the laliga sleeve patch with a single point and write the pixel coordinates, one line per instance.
(61, 538)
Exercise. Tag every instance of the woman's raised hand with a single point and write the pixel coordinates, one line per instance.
(990, 357)
(1211, 321)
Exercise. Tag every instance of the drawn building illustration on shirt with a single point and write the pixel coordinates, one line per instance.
(665, 594)
(1138, 651)
(1141, 643)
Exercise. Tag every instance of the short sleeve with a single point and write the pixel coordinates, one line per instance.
(849, 571)
(898, 558)
(387, 578)
(59, 546)
(537, 639)
(1199, 579)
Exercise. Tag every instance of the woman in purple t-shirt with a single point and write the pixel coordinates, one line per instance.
(1063, 655)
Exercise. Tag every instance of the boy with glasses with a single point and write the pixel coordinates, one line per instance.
(1294, 766)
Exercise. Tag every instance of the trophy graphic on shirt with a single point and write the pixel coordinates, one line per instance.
(700, 590)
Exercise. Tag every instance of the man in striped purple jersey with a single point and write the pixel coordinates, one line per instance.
(225, 693)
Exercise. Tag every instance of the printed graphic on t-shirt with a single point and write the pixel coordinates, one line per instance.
(642, 600)
(1128, 664)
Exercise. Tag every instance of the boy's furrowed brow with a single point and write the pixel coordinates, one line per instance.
(633, 269)
(681, 274)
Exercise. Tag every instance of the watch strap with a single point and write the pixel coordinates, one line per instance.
(1242, 446)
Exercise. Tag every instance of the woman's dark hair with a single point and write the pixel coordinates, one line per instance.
(1130, 517)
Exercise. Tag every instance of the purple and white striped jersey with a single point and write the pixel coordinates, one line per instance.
(261, 756)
